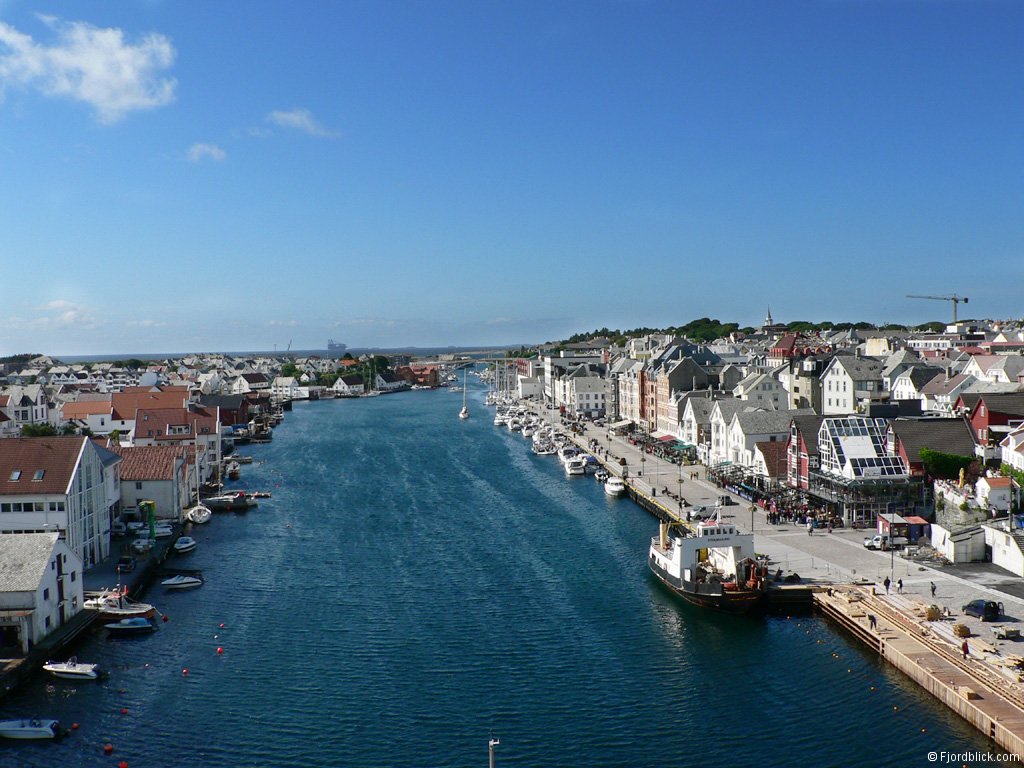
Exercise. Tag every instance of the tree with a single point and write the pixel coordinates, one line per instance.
(290, 369)
(37, 430)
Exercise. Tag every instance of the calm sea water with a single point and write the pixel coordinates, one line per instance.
(417, 583)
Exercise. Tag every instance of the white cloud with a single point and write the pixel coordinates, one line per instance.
(59, 314)
(300, 119)
(91, 65)
(198, 151)
(146, 323)
(283, 323)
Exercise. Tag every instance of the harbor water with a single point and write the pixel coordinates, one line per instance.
(417, 583)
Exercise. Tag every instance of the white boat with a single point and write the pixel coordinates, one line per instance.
(198, 514)
(577, 466)
(614, 486)
(184, 544)
(115, 605)
(163, 531)
(464, 413)
(72, 669)
(602, 475)
(30, 728)
(182, 582)
(716, 567)
(236, 501)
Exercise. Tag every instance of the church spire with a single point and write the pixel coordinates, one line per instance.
(768, 322)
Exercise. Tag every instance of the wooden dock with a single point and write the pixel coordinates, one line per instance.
(985, 689)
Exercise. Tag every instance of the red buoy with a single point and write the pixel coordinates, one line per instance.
(123, 764)
(222, 626)
(166, 617)
(185, 671)
(74, 726)
(124, 710)
(108, 748)
(220, 650)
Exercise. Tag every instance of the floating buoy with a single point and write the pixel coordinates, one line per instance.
(849, 670)
(184, 671)
(123, 764)
(895, 708)
(74, 726)
(124, 710)
(219, 650)
(924, 730)
(166, 618)
(221, 626)
(872, 687)
(108, 748)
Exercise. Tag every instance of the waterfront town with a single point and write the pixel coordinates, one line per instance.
(884, 440)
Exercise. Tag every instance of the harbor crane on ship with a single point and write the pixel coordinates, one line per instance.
(954, 298)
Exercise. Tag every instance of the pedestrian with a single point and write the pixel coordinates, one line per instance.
(810, 528)
(932, 584)
(886, 584)
(872, 621)
(965, 649)
(899, 586)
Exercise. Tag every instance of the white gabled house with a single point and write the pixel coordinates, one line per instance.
(847, 382)
(40, 588)
(349, 386)
(285, 388)
(1012, 449)
(66, 485)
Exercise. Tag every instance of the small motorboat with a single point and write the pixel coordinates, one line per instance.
(116, 605)
(30, 728)
(72, 669)
(602, 475)
(614, 486)
(185, 544)
(131, 626)
(182, 582)
(198, 514)
(230, 502)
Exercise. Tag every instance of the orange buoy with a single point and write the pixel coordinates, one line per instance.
(108, 748)
(219, 650)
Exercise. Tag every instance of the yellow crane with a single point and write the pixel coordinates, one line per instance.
(954, 298)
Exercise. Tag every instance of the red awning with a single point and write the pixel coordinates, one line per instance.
(915, 520)
(667, 438)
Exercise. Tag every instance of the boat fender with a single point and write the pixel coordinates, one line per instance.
(35, 723)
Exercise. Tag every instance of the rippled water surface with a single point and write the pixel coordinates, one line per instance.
(416, 583)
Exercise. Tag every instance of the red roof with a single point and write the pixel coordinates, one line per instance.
(151, 462)
(22, 459)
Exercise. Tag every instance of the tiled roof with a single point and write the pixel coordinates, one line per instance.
(809, 425)
(24, 558)
(156, 423)
(126, 403)
(56, 457)
(775, 457)
(151, 462)
(82, 408)
(944, 435)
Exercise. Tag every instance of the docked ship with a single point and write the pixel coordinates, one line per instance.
(715, 567)
(336, 346)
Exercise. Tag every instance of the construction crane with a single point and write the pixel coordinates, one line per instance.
(954, 298)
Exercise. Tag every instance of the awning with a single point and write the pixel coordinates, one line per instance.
(915, 520)
(620, 424)
(667, 438)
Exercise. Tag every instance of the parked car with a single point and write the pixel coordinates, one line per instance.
(125, 564)
(141, 546)
(699, 512)
(986, 610)
(879, 541)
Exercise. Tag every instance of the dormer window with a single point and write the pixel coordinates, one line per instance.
(15, 475)
(38, 475)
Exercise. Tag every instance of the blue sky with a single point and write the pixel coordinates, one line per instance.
(222, 176)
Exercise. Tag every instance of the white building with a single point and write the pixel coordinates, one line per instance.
(60, 484)
(848, 381)
(40, 587)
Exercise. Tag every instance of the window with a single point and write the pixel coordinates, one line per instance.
(38, 475)
(46, 594)
(15, 475)
(138, 486)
